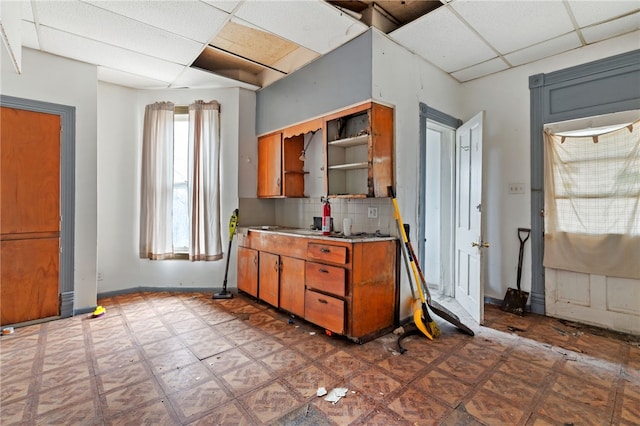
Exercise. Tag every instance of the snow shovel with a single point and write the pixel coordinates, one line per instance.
(421, 316)
(233, 224)
(437, 309)
(515, 300)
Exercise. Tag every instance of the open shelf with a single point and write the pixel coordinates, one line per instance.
(350, 166)
(349, 142)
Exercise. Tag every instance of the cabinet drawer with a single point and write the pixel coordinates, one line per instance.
(326, 278)
(324, 311)
(327, 253)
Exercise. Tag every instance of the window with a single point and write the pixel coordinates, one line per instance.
(181, 181)
(592, 201)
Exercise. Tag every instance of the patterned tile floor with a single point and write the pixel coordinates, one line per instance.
(182, 358)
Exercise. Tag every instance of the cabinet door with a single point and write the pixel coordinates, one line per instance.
(269, 273)
(270, 165)
(292, 285)
(248, 271)
(381, 171)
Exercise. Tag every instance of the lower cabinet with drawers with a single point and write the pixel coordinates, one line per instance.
(348, 287)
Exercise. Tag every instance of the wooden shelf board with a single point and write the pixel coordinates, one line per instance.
(347, 142)
(350, 166)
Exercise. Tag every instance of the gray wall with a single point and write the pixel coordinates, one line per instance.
(340, 78)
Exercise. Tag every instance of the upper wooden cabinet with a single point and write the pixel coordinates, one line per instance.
(358, 154)
(280, 170)
(359, 151)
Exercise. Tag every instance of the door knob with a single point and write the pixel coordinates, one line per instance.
(481, 244)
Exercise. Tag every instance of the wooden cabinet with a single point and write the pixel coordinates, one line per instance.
(359, 151)
(248, 271)
(281, 282)
(347, 287)
(280, 170)
(292, 285)
(269, 278)
(358, 154)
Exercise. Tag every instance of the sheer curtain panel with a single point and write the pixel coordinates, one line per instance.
(156, 240)
(592, 202)
(204, 183)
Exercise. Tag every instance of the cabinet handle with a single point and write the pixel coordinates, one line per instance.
(325, 250)
(324, 271)
(323, 301)
(276, 266)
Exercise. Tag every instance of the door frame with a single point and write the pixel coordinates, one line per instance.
(600, 87)
(67, 192)
(428, 113)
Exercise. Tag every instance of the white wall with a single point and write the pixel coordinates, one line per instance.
(505, 99)
(402, 79)
(62, 81)
(120, 118)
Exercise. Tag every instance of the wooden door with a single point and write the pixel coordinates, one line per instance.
(248, 270)
(292, 272)
(270, 165)
(29, 215)
(269, 273)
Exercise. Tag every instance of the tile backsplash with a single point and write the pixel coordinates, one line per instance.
(299, 213)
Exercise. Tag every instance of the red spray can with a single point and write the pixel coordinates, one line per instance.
(326, 217)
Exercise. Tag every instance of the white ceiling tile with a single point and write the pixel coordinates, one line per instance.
(226, 5)
(315, 24)
(612, 29)
(195, 78)
(592, 12)
(513, 25)
(442, 39)
(29, 35)
(93, 52)
(480, 70)
(192, 19)
(544, 49)
(121, 78)
(101, 25)
(27, 11)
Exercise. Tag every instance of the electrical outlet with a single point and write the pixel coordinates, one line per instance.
(372, 212)
(516, 188)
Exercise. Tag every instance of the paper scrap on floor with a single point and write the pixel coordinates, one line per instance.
(335, 394)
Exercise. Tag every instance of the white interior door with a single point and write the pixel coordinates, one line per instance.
(469, 245)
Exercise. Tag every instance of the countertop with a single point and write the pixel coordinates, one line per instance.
(356, 237)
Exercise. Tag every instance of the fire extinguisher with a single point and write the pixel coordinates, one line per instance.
(326, 216)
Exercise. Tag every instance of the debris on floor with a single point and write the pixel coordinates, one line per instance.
(398, 331)
(335, 395)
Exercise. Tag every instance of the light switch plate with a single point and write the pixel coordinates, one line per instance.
(372, 212)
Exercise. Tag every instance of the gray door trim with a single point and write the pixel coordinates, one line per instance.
(67, 190)
(601, 87)
(428, 113)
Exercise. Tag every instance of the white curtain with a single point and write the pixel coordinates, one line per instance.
(592, 202)
(156, 241)
(204, 181)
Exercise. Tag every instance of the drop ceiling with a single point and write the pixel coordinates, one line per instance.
(251, 43)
